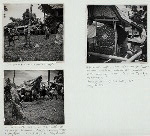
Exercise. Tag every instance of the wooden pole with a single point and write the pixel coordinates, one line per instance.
(29, 26)
(115, 30)
(48, 78)
(44, 16)
(14, 77)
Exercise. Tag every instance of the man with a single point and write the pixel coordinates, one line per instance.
(11, 36)
(122, 39)
(26, 35)
(43, 91)
(137, 41)
(91, 33)
(47, 32)
(59, 35)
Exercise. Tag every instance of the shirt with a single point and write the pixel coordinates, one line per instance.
(92, 29)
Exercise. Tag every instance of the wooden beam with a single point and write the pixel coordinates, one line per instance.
(109, 20)
(115, 30)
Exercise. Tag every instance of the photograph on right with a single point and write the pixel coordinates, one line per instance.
(116, 33)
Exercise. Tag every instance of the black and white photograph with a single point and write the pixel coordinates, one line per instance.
(33, 97)
(33, 32)
(116, 33)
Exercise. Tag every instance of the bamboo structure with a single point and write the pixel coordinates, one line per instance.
(113, 17)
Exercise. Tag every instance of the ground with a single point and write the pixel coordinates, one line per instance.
(42, 112)
(40, 49)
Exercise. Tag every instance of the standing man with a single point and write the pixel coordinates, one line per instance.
(11, 36)
(47, 33)
(91, 33)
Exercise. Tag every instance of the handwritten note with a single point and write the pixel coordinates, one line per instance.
(33, 64)
(120, 74)
(34, 130)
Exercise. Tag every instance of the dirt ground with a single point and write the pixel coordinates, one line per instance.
(40, 49)
(41, 112)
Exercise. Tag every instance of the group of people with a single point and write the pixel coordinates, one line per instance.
(11, 33)
(35, 93)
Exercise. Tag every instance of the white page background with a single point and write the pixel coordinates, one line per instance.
(122, 110)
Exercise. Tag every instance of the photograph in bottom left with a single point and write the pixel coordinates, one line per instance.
(33, 97)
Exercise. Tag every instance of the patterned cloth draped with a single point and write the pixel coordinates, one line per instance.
(105, 40)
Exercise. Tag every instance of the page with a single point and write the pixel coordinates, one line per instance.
(74, 68)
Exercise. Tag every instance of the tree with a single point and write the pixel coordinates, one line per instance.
(59, 78)
(51, 16)
(27, 16)
(46, 9)
(17, 21)
(5, 9)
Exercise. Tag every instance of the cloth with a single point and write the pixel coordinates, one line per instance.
(91, 31)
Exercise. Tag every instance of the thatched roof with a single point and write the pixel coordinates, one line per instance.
(110, 12)
(56, 6)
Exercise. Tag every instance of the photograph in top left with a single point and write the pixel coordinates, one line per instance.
(33, 32)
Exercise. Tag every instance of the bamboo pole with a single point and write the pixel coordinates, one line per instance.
(134, 56)
(115, 51)
(107, 56)
(14, 77)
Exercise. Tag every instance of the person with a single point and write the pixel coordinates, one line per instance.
(91, 33)
(59, 35)
(47, 32)
(122, 39)
(11, 36)
(17, 110)
(26, 35)
(133, 12)
(43, 91)
(138, 40)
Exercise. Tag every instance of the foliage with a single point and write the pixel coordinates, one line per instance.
(5, 9)
(46, 8)
(16, 21)
(51, 19)
(139, 16)
(59, 78)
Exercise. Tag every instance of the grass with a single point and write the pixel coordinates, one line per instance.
(41, 112)
(47, 50)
